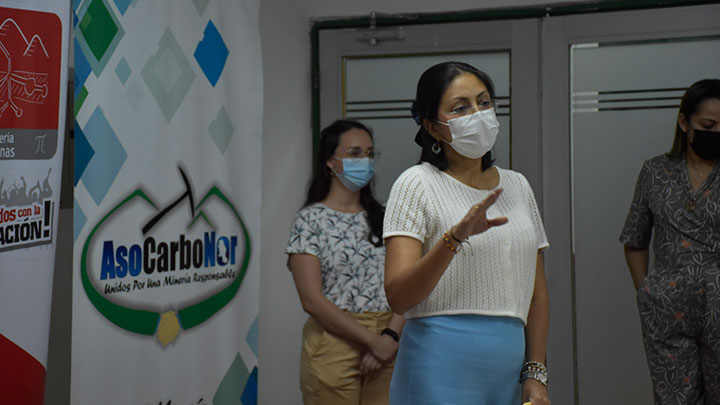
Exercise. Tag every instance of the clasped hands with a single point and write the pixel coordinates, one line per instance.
(379, 354)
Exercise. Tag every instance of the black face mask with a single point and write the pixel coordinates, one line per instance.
(706, 144)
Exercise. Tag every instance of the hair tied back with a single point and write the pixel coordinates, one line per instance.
(415, 115)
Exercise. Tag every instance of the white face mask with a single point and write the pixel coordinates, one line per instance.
(474, 135)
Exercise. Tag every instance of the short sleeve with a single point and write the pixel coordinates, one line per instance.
(639, 222)
(405, 214)
(304, 235)
(535, 214)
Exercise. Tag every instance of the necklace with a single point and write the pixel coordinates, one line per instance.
(698, 171)
(690, 204)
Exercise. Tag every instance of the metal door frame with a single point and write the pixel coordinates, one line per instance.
(520, 37)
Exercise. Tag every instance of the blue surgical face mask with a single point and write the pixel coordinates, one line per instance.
(356, 173)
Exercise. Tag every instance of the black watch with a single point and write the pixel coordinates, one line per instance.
(391, 333)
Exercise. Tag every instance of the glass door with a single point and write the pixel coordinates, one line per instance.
(625, 81)
(622, 114)
(375, 84)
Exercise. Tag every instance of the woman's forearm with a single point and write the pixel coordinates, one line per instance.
(396, 322)
(538, 322)
(409, 276)
(637, 261)
(308, 282)
(339, 322)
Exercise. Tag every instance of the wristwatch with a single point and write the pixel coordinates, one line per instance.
(542, 378)
(391, 333)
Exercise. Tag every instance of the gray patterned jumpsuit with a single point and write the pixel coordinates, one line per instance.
(679, 300)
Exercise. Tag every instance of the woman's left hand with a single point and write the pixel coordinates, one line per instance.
(534, 392)
(384, 348)
(369, 364)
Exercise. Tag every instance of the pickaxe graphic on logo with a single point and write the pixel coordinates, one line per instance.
(187, 194)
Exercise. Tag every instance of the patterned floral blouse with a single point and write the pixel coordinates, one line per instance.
(686, 222)
(353, 269)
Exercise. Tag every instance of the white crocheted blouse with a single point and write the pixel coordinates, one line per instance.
(493, 274)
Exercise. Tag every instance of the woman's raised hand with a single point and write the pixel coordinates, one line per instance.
(476, 220)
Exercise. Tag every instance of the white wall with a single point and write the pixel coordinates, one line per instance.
(287, 153)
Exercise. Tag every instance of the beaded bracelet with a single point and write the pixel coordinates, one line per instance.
(448, 244)
(534, 370)
(533, 365)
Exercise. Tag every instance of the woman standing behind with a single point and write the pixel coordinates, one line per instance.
(463, 262)
(677, 197)
(336, 256)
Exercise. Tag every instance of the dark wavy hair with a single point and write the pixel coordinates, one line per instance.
(430, 89)
(694, 96)
(319, 185)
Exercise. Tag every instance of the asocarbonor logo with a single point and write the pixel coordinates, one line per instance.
(158, 270)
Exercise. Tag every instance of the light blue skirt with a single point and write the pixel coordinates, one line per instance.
(459, 360)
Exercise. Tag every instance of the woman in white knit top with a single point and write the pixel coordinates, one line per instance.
(463, 257)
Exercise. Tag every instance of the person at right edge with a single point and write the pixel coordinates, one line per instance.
(677, 197)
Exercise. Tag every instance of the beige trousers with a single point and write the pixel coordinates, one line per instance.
(329, 366)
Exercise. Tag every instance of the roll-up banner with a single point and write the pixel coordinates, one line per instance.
(168, 113)
(33, 94)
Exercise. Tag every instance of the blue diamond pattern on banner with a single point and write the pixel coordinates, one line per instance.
(168, 74)
(82, 69)
(109, 156)
(211, 53)
(249, 395)
(83, 152)
(123, 5)
(123, 70)
(79, 219)
(252, 337)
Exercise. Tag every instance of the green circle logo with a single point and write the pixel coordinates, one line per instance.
(157, 271)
